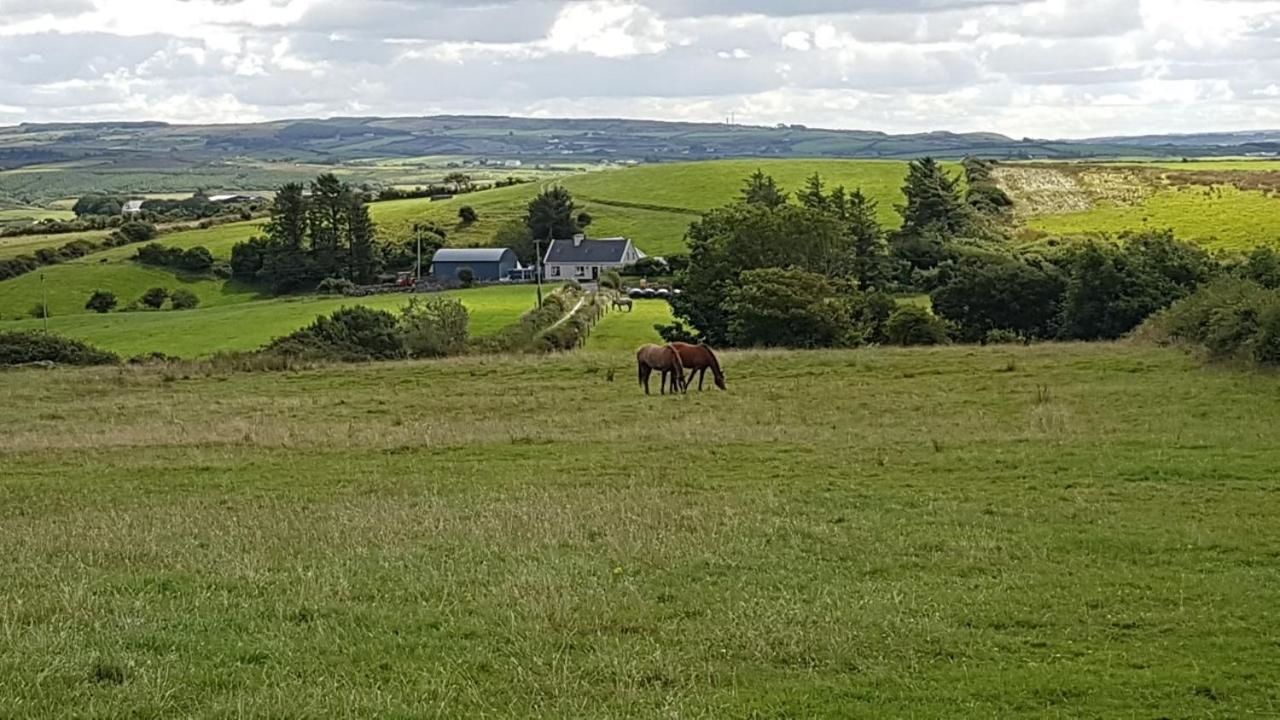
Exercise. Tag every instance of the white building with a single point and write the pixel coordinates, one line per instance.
(584, 260)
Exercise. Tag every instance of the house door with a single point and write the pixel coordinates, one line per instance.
(595, 273)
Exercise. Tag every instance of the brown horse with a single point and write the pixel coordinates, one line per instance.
(699, 359)
(666, 359)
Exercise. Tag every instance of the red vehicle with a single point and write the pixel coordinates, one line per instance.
(405, 279)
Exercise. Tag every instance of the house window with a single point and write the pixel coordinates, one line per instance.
(555, 271)
(581, 271)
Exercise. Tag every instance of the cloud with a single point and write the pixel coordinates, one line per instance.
(1022, 67)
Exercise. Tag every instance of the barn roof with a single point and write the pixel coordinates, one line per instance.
(470, 255)
(609, 250)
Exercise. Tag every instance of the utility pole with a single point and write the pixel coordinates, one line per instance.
(44, 303)
(537, 264)
(417, 273)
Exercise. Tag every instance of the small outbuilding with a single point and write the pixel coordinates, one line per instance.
(486, 264)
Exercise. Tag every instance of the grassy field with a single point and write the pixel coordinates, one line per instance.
(626, 331)
(1221, 218)
(1057, 531)
(250, 324)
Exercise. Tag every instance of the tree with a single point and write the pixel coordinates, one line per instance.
(761, 189)
(585, 219)
(466, 276)
(102, 301)
(328, 220)
(787, 308)
(467, 215)
(933, 202)
(1007, 295)
(352, 334)
(184, 299)
(365, 261)
(913, 325)
(459, 181)
(983, 193)
(550, 215)
(515, 235)
(135, 231)
(870, 253)
(435, 327)
(732, 240)
(814, 194)
(155, 298)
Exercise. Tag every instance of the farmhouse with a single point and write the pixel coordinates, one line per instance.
(486, 264)
(133, 207)
(584, 260)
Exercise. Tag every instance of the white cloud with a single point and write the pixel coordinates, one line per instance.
(1023, 67)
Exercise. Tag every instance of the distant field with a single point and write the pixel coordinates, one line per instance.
(248, 324)
(34, 214)
(621, 330)
(1060, 531)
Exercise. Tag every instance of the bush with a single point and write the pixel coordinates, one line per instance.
(787, 308)
(611, 279)
(350, 334)
(102, 301)
(39, 310)
(197, 259)
(154, 298)
(335, 286)
(984, 296)
(20, 265)
(1228, 318)
(1004, 337)
(135, 232)
(871, 312)
(676, 332)
(435, 327)
(466, 276)
(647, 267)
(468, 215)
(184, 299)
(912, 325)
(19, 348)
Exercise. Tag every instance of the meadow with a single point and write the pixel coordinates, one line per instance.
(248, 324)
(625, 331)
(1053, 531)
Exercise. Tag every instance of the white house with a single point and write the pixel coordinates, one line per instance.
(584, 260)
(133, 207)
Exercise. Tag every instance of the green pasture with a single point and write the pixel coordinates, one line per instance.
(245, 323)
(1219, 217)
(625, 331)
(1043, 532)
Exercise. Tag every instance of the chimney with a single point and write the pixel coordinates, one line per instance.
(577, 239)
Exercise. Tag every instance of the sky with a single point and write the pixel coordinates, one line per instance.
(1025, 68)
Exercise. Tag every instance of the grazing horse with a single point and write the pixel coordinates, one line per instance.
(664, 358)
(699, 359)
(627, 303)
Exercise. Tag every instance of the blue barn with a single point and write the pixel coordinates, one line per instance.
(486, 264)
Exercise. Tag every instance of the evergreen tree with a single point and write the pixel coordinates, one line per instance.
(868, 240)
(330, 200)
(551, 215)
(838, 203)
(761, 189)
(288, 224)
(814, 194)
(933, 202)
(365, 262)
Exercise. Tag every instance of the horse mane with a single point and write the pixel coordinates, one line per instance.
(715, 362)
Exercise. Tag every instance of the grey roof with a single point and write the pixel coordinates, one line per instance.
(466, 255)
(610, 250)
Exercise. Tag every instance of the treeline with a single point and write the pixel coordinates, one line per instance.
(196, 207)
(326, 233)
(455, 184)
(820, 271)
(51, 226)
(126, 234)
(197, 259)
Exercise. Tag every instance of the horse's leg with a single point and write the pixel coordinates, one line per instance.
(645, 371)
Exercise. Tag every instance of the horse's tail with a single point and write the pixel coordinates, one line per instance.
(678, 365)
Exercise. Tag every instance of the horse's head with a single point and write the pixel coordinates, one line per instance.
(720, 381)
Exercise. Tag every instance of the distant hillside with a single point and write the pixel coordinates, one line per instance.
(343, 140)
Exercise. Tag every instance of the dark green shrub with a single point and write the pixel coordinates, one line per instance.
(350, 334)
(984, 296)
(466, 276)
(787, 308)
(184, 299)
(154, 298)
(467, 215)
(912, 325)
(1004, 337)
(871, 312)
(335, 286)
(102, 301)
(19, 348)
(39, 310)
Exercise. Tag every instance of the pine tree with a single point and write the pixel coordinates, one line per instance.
(869, 248)
(330, 199)
(364, 263)
(814, 195)
(761, 189)
(838, 202)
(933, 202)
